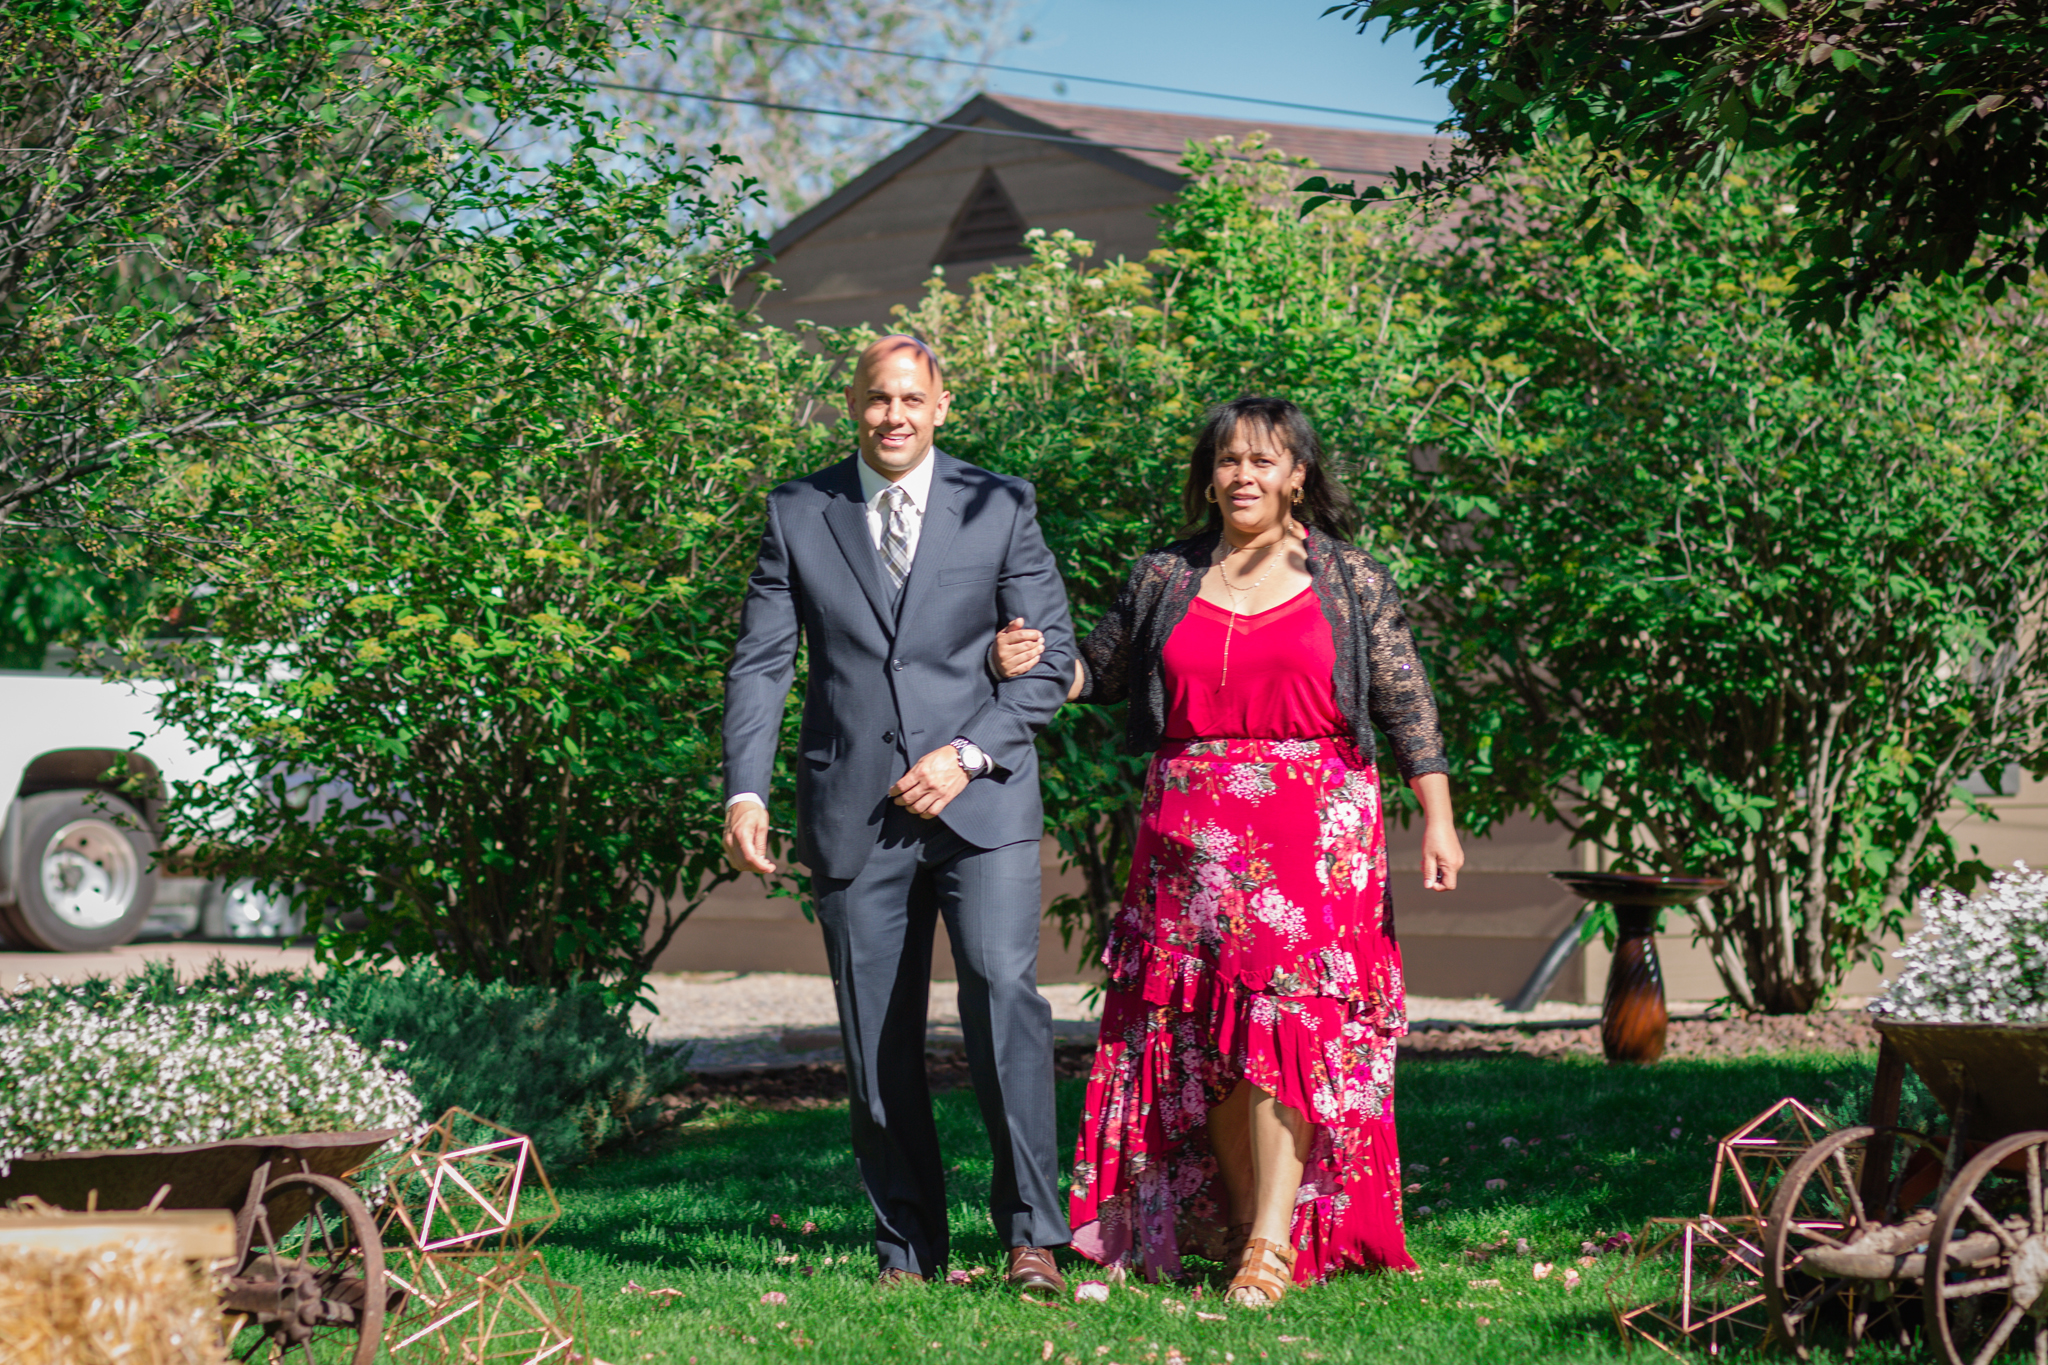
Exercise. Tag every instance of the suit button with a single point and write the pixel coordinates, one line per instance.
(896, 664)
(888, 736)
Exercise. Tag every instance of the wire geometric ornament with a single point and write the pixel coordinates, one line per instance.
(1749, 1162)
(1719, 1300)
(474, 1196)
(482, 1307)
(460, 1221)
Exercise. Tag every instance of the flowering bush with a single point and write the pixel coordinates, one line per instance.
(127, 1071)
(563, 1067)
(1980, 959)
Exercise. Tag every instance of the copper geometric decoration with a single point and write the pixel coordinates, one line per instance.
(460, 1222)
(473, 1197)
(1749, 1161)
(478, 1307)
(1720, 1300)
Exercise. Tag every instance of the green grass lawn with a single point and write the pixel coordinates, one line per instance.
(1599, 1151)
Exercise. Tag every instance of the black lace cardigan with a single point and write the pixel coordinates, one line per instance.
(1378, 676)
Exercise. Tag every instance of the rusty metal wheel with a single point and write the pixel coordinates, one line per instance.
(1829, 1256)
(311, 1287)
(1987, 1257)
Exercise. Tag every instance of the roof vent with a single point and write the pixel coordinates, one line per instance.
(988, 225)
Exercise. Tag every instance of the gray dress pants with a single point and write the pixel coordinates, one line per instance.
(878, 938)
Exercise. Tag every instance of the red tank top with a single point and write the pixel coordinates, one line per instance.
(1280, 684)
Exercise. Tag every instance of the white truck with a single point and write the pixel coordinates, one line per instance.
(79, 868)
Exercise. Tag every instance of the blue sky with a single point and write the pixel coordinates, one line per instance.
(1275, 49)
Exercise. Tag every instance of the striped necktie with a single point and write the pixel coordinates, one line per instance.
(896, 537)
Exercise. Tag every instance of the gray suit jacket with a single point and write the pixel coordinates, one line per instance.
(889, 683)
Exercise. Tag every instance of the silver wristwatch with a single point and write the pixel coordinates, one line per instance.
(973, 760)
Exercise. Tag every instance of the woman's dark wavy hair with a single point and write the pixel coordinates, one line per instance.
(1325, 503)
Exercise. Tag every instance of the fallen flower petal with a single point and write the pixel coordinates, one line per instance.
(1496, 1184)
(775, 1296)
(1571, 1279)
(1413, 1189)
(1046, 1354)
(775, 1221)
(809, 1227)
(1091, 1291)
(1542, 1270)
(1482, 1284)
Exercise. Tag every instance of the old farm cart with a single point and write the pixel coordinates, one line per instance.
(308, 1282)
(1876, 1230)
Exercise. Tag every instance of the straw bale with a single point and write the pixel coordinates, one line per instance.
(137, 1303)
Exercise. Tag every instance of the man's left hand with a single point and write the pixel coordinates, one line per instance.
(932, 783)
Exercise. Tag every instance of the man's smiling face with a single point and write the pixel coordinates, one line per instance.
(898, 402)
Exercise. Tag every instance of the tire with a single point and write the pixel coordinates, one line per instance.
(85, 883)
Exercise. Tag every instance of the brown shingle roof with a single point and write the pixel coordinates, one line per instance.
(1339, 149)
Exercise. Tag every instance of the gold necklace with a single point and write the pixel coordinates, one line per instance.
(1237, 596)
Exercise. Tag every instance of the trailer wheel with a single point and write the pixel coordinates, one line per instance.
(86, 883)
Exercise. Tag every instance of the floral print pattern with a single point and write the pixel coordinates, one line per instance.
(1254, 944)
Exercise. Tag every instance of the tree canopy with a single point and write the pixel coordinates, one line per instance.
(1914, 131)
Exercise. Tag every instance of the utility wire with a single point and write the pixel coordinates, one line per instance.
(923, 123)
(1060, 75)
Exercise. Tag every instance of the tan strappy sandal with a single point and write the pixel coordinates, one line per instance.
(1253, 1274)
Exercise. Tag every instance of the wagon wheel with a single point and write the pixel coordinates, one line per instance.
(1987, 1257)
(314, 1291)
(1819, 1208)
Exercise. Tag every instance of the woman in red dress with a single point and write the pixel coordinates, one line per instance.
(1241, 1101)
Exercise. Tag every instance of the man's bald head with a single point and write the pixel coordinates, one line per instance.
(901, 346)
(897, 400)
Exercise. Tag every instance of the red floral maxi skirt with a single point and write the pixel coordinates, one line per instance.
(1254, 944)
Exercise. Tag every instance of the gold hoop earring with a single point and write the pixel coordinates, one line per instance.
(1297, 497)
(1209, 495)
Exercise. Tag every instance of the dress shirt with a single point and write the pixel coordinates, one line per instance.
(918, 484)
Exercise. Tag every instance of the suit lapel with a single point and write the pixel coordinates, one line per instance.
(935, 538)
(847, 516)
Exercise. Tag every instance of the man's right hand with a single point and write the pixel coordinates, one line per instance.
(746, 837)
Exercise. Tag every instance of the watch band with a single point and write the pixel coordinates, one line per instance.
(961, 744)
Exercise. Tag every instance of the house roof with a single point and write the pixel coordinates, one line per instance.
(1161, 139)
(1141, 143)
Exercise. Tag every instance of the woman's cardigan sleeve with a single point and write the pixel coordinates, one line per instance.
(1106, 653)
(1398, 695)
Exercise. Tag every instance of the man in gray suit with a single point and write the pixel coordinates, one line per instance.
(917, 791)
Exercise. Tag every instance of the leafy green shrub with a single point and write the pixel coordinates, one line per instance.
(125, 1070)
(561, 1067)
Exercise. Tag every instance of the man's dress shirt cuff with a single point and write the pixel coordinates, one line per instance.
(738, 797)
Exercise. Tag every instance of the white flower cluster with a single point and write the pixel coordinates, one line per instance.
(1981, 959)
(133, 1073)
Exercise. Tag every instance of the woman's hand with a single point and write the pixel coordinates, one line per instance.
(1441, 854)
(1017, 649)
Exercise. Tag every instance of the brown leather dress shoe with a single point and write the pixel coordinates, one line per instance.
(896, 1276)
(1032, 1270)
